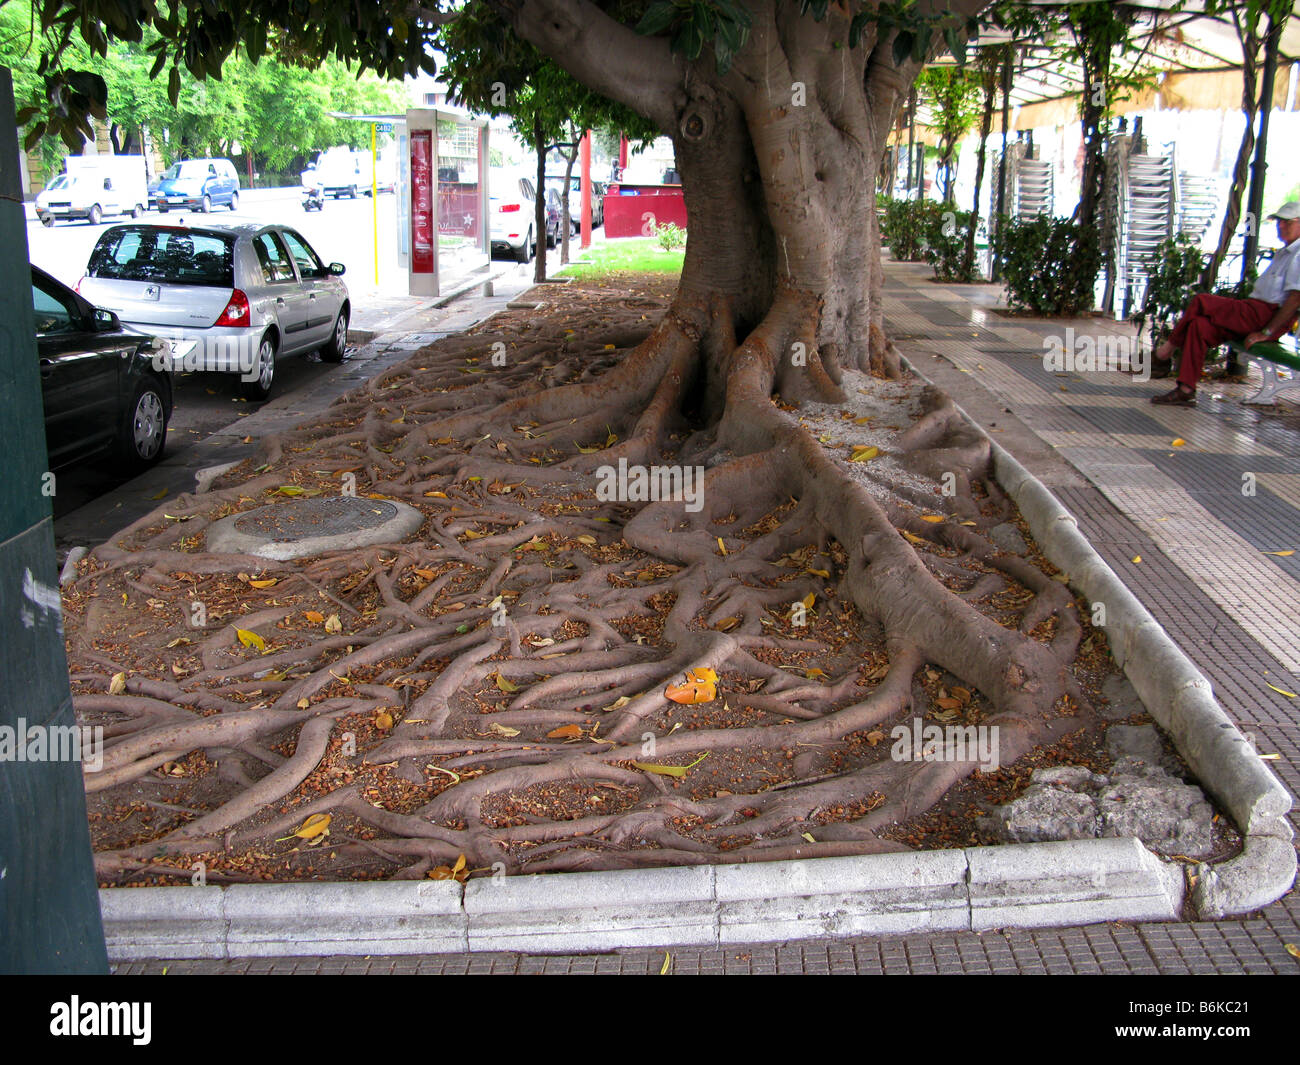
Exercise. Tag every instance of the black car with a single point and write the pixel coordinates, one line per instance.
(103, 387)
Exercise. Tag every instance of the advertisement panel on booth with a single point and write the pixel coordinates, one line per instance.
(423, 233)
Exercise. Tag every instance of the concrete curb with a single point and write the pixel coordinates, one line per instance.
(1019, 885)
(1022, 885)
(1178, 697)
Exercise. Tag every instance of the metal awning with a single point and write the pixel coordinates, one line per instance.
(1189, 51)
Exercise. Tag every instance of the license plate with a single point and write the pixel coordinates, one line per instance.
(175, 199)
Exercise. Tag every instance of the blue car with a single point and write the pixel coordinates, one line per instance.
(197, 184)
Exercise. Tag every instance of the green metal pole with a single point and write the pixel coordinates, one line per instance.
(49, 902)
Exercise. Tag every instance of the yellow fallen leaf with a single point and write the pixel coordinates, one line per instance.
(383, 720)
(314, 616)
(727, 623)
(618, 703)
(1177, 441)
(704, 674)
(269, 583)
(251, 639)
(427, 574)
(565, 732)
(1282, 691)
(1137, 559)
(159, 495)
(505, 685)
(437, 495)
(722, 547)
(117, 685)
(875, 736)
(173, 769)
(1280, 554)
(503, 730)
(809, 599)
(670, 770)
(315, 825)
(333, 624)
(1293, 950)
(864, 454)
(695, 691)
(815, 674)
(590, 541)
(820, 572)
(668, 964)
(912, 537)
(933, 519)
(808, 836)
(290, 490)
(304, 703)
(179, 641)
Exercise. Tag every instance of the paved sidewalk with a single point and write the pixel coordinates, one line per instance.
(1204, 574)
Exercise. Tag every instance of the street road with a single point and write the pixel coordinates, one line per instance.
(205, 402)
(342, 232)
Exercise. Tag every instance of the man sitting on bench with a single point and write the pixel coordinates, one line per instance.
(1210, 320)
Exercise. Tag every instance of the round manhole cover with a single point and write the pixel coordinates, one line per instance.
(314, 526)
(305, 518)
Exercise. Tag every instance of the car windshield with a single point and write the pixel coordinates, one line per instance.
(183, 170)
(175, 256)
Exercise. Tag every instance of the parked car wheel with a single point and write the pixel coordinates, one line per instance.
(162, 208)
(234, 201)
(137, 211)
(526, 249)
(206, 205)
(96, 213)
(48, 221)
(261, 387)
(144, 432)
(352, 193)
(338, 342)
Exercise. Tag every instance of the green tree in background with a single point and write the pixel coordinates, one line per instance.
(275, 109)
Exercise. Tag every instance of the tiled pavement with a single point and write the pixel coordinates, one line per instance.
(1204, 574)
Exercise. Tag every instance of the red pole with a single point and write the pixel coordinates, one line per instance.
(585, 157)
(622, 155)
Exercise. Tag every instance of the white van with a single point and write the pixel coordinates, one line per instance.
(94, 186)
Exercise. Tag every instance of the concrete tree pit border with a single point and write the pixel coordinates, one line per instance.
(977, 888)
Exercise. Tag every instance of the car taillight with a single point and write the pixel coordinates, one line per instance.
(506, 208)
(236, 312)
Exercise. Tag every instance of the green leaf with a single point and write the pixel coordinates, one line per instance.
(903, 45)
(657, 18)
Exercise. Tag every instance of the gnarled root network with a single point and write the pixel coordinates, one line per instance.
(496, 686)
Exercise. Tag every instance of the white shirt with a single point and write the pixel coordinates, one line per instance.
(1281, 277)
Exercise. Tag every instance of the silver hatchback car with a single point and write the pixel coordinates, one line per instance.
(228, 298)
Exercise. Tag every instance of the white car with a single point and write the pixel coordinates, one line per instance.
(228, 298)
(512, 209)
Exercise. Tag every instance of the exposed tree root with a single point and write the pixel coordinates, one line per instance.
(496, 686)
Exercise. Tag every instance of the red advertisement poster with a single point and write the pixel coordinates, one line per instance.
(422, 228)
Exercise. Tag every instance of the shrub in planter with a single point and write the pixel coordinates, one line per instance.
(907, 226)
(1050, 265)
(946, 251)
(1173, 278)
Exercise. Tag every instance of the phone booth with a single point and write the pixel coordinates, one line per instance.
(443, 233)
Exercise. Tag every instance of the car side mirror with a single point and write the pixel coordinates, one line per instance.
(106, 321)
(337, 269)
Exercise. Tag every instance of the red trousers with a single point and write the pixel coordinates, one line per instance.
(1208, 322)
